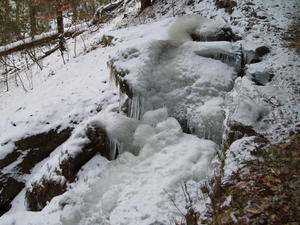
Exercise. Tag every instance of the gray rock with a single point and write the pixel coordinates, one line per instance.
(261, 78)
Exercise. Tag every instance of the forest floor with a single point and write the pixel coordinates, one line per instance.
(293, 37)
(265, 191)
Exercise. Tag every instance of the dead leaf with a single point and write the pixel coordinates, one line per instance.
(253, 210)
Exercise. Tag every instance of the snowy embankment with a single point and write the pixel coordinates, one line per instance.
(169, 85)
(143, 183)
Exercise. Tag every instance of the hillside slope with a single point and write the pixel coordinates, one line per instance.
(151, 116)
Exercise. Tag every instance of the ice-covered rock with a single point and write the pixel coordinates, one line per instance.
(132, 186)
(190, 79)
(198, 28)
(246, 112)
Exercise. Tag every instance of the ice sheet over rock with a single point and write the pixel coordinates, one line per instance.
(137, 188)
(183, 77)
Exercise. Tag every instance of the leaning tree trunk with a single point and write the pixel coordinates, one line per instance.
(145, 4)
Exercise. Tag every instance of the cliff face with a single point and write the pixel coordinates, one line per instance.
(200, 122)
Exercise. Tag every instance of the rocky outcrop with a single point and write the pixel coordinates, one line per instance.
(35, 148)
(9, 188)
(261, 78)
(99, 143)
(161, 79)
(39, 147)
(117, 76)
(29, 151)
(44, 189)
(223, 34)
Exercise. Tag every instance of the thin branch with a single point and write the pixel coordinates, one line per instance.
(173, 201)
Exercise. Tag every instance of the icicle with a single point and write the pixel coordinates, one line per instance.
(115, 148)
(136, 108)
(209, 128)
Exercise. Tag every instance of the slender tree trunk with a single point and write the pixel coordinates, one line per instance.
(7, 22)
(60, 24)
(74, 10)
(32, 16)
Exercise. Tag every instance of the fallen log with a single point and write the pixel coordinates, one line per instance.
(41, 40)
(101, 11)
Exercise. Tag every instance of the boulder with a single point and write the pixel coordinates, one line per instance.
(261, 78)
(30, 150)
(262, 50)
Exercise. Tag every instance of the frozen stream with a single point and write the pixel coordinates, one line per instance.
(185, 80)
(177, 86)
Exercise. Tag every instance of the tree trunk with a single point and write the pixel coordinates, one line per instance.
(74, 4)
(60, 24)
(145, 4)
(32, 13)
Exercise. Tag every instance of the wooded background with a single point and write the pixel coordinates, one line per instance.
(20, 19)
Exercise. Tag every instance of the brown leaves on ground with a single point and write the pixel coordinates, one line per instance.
(293, 37)
(269, 193)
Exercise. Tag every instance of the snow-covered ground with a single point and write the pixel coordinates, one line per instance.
(144, 186)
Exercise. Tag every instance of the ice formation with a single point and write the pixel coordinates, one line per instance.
(120, 130)
(246, 108)
(183, 77)
(166, 156)
(184, 26)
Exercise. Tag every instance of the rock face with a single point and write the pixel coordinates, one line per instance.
(9, 188)
(98, 144)
(223, 34)
(40, 146)
(43, 190)
(30, 151)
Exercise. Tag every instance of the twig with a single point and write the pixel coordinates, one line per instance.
(22, 82)
(33, 58)
(173, 201)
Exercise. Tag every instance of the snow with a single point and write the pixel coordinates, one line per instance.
(119, 128)
(184, 26)
(187, 80)
(6, 149)
(249, 109)
(237, 155)
(128, 189)
(170, 80)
